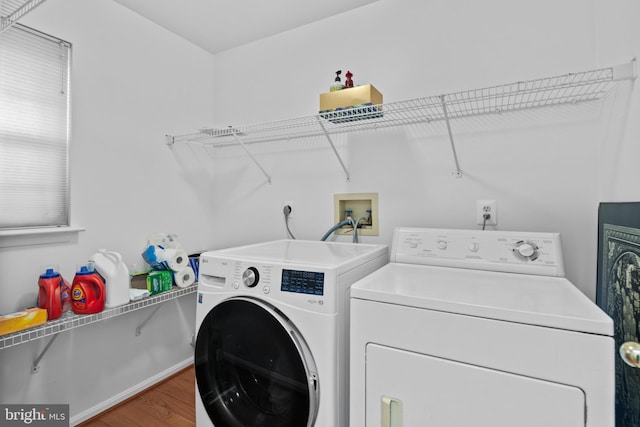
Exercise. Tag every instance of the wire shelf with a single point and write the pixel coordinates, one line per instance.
(12, 10)
(70, 320)
(565, 89)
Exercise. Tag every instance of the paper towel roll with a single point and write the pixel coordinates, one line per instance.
(160, 258)
(175, 259)
(184, 277)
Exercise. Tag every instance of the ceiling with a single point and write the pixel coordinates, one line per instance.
(217, 25)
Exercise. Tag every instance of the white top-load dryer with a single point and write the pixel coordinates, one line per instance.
(478, 328)
(272, 332)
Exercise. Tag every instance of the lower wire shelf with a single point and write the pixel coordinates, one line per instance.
(70, 320)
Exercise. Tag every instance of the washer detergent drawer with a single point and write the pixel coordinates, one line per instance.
(406, 389)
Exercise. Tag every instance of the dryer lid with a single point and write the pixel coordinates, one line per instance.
(536, 300)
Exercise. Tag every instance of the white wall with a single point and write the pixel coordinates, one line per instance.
(132, 83)
(619, 37)
(548, 169)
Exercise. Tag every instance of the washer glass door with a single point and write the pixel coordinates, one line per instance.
(253, 368)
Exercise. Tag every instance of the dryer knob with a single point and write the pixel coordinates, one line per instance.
(526, 251)
(250, 277)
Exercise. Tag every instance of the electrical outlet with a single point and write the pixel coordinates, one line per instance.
(291, 205)
(486, 207)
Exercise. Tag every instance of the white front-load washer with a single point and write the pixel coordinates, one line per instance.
(478, 328)
(272, 332)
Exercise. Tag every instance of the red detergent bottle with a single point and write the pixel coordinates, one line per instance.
(87, 292)
(53, 292)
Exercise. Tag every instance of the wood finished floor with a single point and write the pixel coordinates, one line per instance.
(170, 403)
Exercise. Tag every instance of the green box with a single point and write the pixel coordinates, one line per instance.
(159, 281)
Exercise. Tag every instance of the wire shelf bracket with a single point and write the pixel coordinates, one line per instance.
(333, 147)
(145, 321)
(569, 88)
(457, 172)
(36, 363)
(244, 147)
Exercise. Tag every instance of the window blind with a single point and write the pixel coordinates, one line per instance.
(34, 129)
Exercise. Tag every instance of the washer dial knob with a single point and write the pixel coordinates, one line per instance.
(250, 277)
(526, 251)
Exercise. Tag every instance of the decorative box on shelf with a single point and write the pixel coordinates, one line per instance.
(350, 104)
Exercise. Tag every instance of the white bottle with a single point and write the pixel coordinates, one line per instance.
(116, 277)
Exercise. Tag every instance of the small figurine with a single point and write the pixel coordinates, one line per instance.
(348, 82)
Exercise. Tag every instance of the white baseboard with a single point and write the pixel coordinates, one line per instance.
(103, 406)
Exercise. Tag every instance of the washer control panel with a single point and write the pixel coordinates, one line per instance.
(311, 287)
(504, 251)
(294, 281)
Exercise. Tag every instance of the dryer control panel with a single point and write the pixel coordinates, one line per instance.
(505, 251)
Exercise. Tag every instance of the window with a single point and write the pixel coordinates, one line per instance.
(34, 129)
